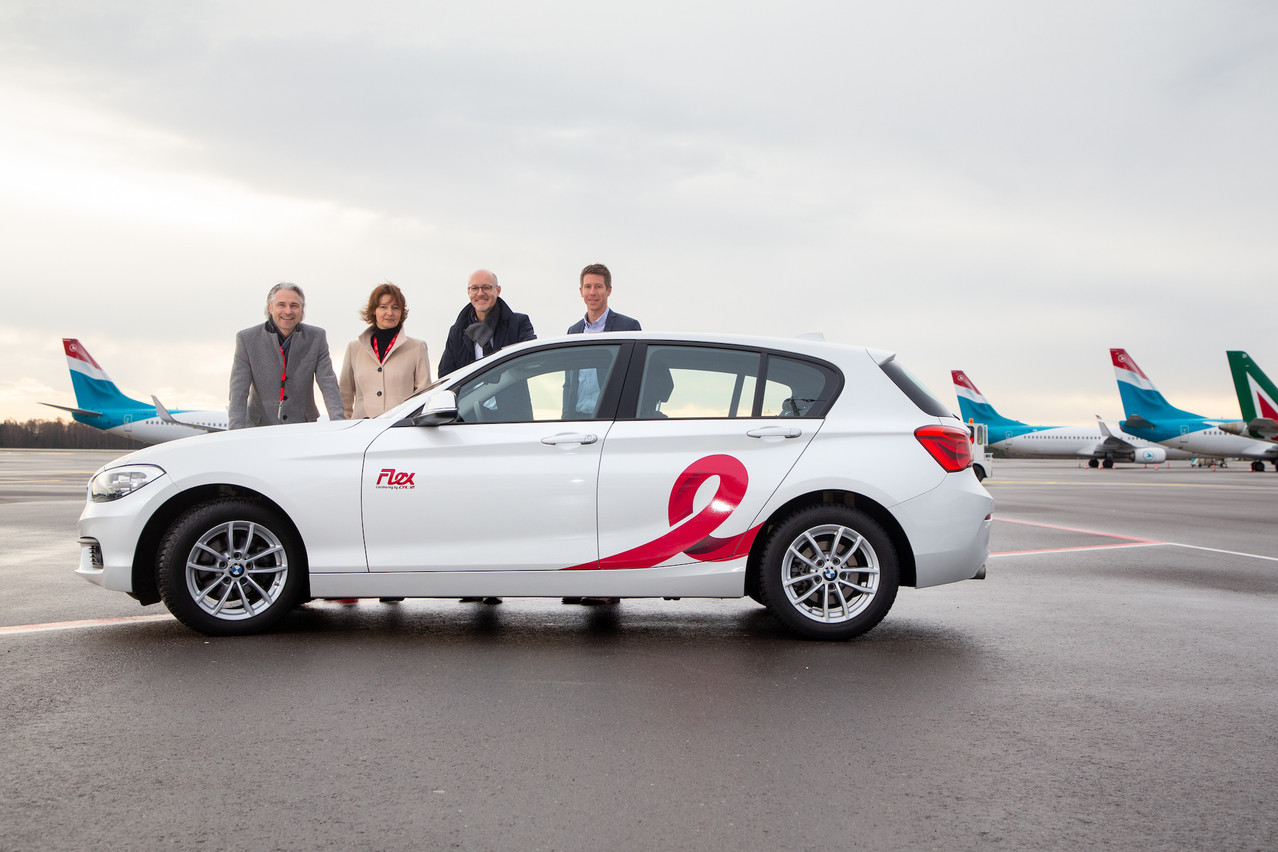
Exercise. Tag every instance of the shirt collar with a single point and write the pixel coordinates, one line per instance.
(598, 325)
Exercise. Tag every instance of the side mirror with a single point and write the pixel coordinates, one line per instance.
(441, 409)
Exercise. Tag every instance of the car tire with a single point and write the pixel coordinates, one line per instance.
(829, 572)
(230, 568)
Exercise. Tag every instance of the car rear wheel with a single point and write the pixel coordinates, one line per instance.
(229, 568)
(829, 572)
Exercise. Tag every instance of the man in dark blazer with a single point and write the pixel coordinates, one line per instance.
(277, 365)
(581, 391)
(596, 287)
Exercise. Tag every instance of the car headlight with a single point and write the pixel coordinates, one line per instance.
(107, 485)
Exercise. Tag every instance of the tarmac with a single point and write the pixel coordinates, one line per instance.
(1111, 684)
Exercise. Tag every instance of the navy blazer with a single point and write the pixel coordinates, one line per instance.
(615, 322)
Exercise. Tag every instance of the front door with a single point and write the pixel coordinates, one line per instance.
(510, 486)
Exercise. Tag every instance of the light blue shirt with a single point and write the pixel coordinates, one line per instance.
(588, 379)
(598, 325)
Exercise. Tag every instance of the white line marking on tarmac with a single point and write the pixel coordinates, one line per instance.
(21, 629)
(1226, 552)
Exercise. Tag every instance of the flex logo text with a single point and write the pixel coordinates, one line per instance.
(398, 479)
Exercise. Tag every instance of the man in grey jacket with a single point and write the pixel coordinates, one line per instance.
(277, 365)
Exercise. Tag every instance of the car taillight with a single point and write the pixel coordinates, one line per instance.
(949, 445)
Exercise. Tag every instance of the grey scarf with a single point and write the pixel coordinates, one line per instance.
(482, 331)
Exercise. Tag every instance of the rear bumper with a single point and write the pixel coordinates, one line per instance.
(949, 530)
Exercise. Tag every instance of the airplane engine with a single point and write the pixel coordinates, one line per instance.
(1149, 455)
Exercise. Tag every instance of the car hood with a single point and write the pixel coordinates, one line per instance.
(263, 440)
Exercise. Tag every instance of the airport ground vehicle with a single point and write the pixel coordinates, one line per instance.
(814, 477)
(982, 461)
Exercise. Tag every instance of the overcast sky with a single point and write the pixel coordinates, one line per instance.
(1008, 188)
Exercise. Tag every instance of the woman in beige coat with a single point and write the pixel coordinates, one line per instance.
(384, 366)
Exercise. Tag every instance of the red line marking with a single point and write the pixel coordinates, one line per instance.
(1077, 530)
(1081, 547)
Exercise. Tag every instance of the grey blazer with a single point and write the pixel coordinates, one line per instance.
(615, 322)
(255, 378)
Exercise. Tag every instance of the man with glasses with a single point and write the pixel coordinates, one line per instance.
(483, 326)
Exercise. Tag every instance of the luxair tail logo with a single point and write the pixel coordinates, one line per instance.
(396, 480)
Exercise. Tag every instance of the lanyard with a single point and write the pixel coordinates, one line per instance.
(283, 374)
(380, 357)
(283, 379)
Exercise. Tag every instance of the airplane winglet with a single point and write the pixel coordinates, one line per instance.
(169, 418)
(1111, 442)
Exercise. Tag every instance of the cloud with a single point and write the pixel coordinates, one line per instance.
(1002, 185)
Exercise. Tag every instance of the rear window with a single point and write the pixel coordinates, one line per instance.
(712, 382)
(915, 390)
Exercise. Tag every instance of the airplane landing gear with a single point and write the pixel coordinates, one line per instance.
(1093, 463)
(1107, 464)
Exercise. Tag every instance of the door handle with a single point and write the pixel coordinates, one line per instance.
(775, 432)
(569, 438)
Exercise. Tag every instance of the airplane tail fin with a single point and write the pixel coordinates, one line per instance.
(95, 393)
(1257, 395)
(973, 406)
(1142, 402)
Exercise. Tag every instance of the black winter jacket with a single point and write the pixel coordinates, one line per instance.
(459, 350)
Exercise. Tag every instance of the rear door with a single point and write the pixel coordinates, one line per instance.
(702, 446)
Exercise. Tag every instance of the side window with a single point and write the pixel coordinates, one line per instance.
(697, 382)
(794, 388)
(555, 384)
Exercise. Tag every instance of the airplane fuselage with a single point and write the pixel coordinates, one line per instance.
(1071, 442)
(145, 424)
(1203, 438)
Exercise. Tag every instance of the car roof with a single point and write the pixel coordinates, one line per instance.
(800, 345)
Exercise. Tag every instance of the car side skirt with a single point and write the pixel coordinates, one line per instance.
(701, 580)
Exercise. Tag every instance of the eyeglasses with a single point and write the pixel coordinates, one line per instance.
(482, 288)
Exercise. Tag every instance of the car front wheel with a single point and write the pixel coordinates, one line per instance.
(229, 567)
(829, 572)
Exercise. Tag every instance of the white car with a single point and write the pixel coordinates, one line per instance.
(814, 477)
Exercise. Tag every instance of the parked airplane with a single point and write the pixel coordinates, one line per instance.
(1098, 443)
(102, 405)
(1258, 399)
(1152, 417)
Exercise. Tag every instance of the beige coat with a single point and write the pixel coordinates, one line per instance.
(370, 388)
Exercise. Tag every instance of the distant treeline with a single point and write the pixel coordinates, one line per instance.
(60, 435)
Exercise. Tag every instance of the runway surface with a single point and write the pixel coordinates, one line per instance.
(1112, 684)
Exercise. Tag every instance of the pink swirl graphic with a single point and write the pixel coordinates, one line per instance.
(693, 537)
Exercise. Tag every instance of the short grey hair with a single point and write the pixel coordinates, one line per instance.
(285, 285)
